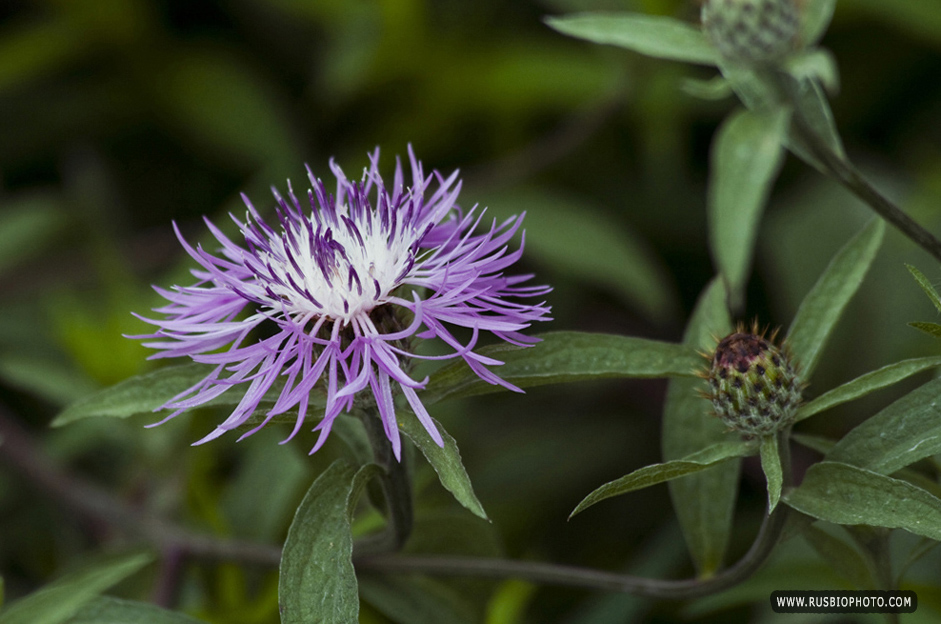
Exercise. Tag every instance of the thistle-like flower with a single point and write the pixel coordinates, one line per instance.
(334, 293)
(754, 387)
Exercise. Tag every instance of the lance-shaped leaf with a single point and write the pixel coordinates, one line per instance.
(814, 108)
(445, 460)
(650, 35)
(932, 329)
(926, 286)
(845, 494)
(746, 158)
(58, 601)
(771, 466)
(142, 394)
(899, 435)
(317, 582)
(704, 502)
(564, 357)
(864, 384)
(824, 304)
(667, 471)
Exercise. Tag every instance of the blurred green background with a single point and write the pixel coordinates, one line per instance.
(120, 116)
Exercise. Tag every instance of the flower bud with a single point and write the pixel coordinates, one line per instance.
(753, 386)
(754, 32)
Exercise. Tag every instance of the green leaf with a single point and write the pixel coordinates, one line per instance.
(413, 599)
(61, 599)
(746, 157)
(816, 64)
(850, 495)
(714, 89)
(842, 556)
(659, 37)
(565, 357)
(659, 473)
(703, 502)
(815, 18)
(926, 286)
(824, 304)
(899, 435)
(771, 465)
(318, 583)
(107, 610)
(446, 461)
(142, 394)
(814, 107)
(560, 228)
(864, 384)
(932, 329)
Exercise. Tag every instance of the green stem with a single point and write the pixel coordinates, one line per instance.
(396, 489)
(846, 174)
(552, 574)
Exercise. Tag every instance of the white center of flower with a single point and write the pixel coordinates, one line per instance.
(337, 271)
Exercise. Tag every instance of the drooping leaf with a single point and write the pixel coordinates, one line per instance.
(771, 465)
(845, 494)
(559, 229)
(899, 435)
(317, 581)
(703, 502)
(108, 610)
(667, 471)
(445, 460)
(864, 384)
(414, 599)
(926, 286)
(746, 157)
(142, 394)
(58, 601)
(824, 304)
(650, 35)
(565, 357)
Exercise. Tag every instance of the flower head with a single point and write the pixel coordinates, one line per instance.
(754, 386)
(335, 291)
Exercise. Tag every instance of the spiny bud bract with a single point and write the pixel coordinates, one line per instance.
(752, 31)
(753, 385)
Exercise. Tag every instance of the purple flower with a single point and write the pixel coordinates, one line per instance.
(334, 294)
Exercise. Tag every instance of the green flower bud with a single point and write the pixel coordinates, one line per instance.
(753, 386)
(754, 32)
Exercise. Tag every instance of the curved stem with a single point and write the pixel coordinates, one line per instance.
(396, 489)
(846, 174)
(552, 574)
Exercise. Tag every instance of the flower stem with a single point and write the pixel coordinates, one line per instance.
(552, 574)
(846, 174)
(396, 489)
